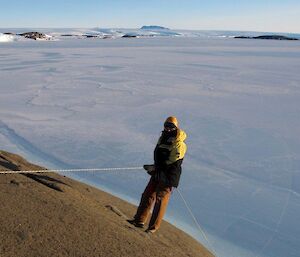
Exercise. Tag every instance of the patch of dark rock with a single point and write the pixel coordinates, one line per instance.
(90, 36)
(45, 180)
(273, 37)
(129, 36)
(243, 37)
(14, 182)
(116, 211)
(7, 164)
(33, 35)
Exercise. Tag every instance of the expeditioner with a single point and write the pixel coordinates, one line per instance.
(165, 174)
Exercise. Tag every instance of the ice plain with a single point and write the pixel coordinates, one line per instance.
(102, 103)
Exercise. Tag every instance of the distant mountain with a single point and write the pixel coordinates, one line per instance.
(153, 27)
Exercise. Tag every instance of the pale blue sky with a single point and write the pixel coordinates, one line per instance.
(258, 15)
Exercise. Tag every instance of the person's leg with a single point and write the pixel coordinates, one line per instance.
(162, 198)
(146, 203)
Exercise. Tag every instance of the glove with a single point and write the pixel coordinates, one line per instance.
(150, 168)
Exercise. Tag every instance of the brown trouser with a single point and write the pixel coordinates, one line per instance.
(154, 192)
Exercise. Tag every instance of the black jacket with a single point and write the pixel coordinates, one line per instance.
(168, 157)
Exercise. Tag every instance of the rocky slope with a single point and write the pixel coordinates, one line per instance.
(47, 214)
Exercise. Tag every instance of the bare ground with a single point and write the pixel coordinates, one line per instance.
(47, 214)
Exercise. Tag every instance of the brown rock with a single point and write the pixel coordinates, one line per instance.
(36, 220)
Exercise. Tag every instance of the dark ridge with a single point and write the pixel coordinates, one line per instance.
(273, 37)
(153, 27)
(129, 36)
(44, 180)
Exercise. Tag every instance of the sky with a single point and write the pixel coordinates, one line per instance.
(254, 15)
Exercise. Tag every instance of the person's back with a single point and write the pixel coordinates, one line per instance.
(168, 156)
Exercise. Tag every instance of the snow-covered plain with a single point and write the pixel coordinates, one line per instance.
(6, 38)
(102, 103)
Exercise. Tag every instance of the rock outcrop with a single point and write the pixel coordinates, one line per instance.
(274, 37)
(129, 35)
(47, 214)
(34, 35)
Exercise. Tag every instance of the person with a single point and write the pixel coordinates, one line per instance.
(165, 174)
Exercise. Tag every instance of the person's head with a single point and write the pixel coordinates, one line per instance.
(171, 124)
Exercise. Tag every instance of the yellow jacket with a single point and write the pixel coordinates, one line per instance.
(175, 146)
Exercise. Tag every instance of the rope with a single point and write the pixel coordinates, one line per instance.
(197, 223)
(67, 170)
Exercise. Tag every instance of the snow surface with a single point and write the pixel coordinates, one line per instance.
(6, 38)
(102, 103)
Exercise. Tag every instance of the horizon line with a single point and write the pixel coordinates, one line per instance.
(228, 30)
